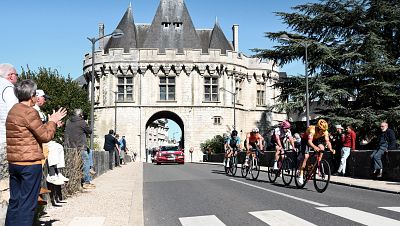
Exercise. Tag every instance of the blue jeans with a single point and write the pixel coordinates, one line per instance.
(86, 167)
(90, 157)
(343, 160)
(24, 192)
(376, 157)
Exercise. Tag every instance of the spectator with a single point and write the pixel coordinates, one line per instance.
(110, 145)
(25, 134)
(41, 100)
(118, 152)
(386, 141)
(122, 143)
(8, 78)
(337, 142)
(134, 156)
(349, 144)
(75, 133)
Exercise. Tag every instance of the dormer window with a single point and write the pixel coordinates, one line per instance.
(177, 24)
(165, 24)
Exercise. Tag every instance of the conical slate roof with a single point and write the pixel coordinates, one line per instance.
(128, 40)
(218, 39)
(172, 27)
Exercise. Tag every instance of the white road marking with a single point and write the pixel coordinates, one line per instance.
(87, 221)
(283, 194)
(359, 216)
(280, 218)
(201, 220)
(396, 209)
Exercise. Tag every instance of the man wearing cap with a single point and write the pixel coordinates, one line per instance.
(337, 139)
(41, 100)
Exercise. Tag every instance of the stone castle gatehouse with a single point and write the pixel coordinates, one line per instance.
(169, 69)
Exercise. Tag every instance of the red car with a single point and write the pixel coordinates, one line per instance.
(170, 154)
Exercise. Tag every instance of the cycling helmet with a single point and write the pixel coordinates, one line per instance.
(322, 125)
(285, 124)
(255, 130)
(234, 133)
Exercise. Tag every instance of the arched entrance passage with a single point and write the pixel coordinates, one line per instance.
(172, 116)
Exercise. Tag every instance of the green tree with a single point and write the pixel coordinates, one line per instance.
(63, 91)
(216, 144)
(354, 60)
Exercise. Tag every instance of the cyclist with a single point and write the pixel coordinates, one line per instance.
(255, 140)
(232, 145)
(282, 135)
(317, 138)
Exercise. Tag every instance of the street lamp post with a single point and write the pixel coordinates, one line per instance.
(234, 105)
(116, 34)
(305, 44)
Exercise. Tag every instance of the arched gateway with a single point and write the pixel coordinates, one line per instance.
(170, 68)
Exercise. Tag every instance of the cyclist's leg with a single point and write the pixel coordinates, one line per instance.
(248, 153)
(321, 153)
(277, 152)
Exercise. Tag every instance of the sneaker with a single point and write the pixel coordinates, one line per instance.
(62, 177)
(89, 186)
(54, 180)
(91, 171)
(379, 175)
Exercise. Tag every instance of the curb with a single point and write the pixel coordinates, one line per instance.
(333, 182)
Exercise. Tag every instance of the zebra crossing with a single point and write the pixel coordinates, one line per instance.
(280, 217)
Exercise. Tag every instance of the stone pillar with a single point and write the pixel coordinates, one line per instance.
(101, 34)
(235, 29)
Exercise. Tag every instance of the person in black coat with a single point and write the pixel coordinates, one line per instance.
(386, 141)
(110, 144)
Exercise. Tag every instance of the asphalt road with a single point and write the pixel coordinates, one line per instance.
(201, 194)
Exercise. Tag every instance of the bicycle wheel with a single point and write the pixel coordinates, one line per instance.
(272, 174)
(287, 171)
(255, 170)
(244, 169)
(234, 166)
(322, 177)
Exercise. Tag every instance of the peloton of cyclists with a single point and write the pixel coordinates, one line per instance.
(232, 146)
(317, 138)
(254, 143)
(280, 138)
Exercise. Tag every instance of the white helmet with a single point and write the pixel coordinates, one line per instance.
(255, 130)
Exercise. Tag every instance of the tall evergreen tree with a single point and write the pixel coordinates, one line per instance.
(353, 57)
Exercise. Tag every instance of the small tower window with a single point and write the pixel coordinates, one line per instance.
(177, 24)
(165, 24)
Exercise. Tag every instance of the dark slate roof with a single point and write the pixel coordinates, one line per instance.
(218, 40)
(128, 40)
(81, 80)
(172, 11)
(155, 35)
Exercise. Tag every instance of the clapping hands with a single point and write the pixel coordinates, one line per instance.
(57, 116)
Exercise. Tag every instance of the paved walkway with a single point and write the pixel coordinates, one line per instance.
(378, 185)
(116, 201)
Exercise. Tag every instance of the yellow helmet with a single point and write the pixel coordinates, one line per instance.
(322, 125)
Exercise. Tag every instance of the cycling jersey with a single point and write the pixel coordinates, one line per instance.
(233, 142)
(253, 139)
(311, 134)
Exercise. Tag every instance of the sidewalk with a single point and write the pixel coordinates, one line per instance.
(377, 185)
(116, 200)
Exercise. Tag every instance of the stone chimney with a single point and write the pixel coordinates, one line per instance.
(101, 34)
(235, 29)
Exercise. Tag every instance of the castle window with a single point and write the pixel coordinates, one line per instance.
(217, 120)
(260, 94)
(167, 88)
(177, 24)
(210, 89)
(165, 24)
(125, 89)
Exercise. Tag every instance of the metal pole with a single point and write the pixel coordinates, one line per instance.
(115, 113)
(234, 110)
(93, 40)
(307, 92)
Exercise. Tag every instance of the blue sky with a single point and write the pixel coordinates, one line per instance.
(53, 33)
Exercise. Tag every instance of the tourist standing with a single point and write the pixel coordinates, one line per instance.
(386, 141)
(110, 145)
(349, 144)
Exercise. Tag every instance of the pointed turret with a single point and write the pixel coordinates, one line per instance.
(128, 40)
(218, 39)
(172, 27)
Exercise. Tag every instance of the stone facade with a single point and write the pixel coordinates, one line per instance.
(183, 85)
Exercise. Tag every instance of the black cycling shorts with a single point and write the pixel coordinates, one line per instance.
(305, 148)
